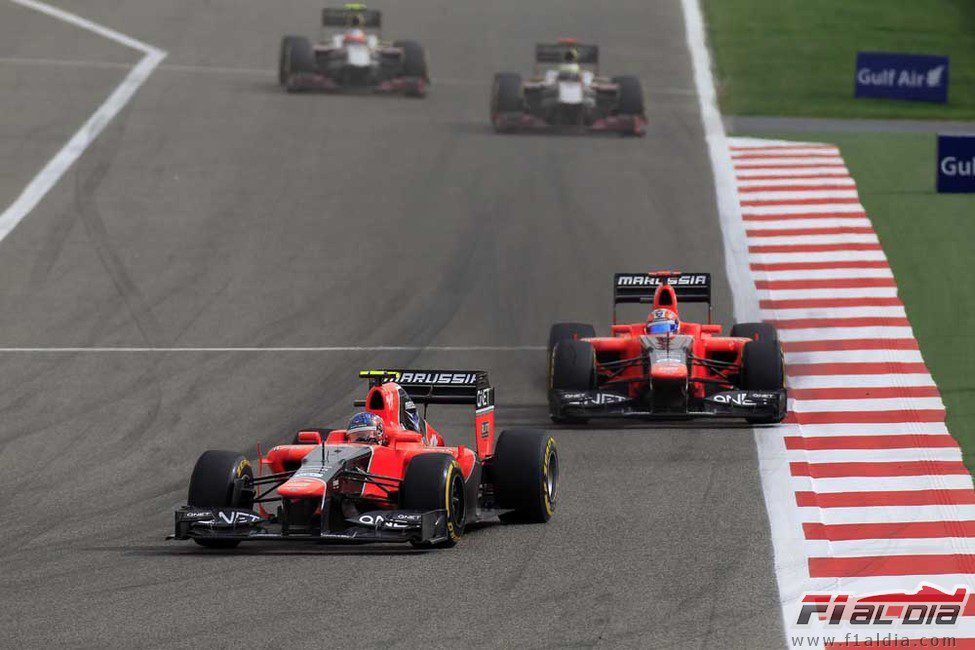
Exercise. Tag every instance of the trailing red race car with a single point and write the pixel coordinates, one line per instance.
(354, 58)
(665, 367)
(566, 91)
(388, 477)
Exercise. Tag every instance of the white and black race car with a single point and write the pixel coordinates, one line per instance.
(566, 90)
(353, 57)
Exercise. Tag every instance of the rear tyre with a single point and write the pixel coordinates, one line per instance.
(572, 367)
(761, 361)
(562, 331)
(221, 479)
(526, 475)
(434, 482)
(507, 96)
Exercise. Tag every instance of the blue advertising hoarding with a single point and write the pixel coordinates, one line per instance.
(917, 77)
(956, 163)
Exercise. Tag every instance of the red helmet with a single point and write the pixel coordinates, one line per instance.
(663, 321)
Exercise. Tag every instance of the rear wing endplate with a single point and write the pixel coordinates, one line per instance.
(640, 287)
(351, 16)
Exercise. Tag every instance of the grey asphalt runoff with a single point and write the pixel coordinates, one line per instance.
(217, 211)
(757, 124)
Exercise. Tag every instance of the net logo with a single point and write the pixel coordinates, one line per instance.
(929, 605)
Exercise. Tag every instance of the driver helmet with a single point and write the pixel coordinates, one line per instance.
(663, 321)
(366, 428)
(570, 61)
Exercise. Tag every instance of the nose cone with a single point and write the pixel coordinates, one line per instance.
(302, 487)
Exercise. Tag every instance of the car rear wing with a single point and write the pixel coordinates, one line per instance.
(351, 15)
(468, 387)
(640, 288)
(566, 51)
(437, 386)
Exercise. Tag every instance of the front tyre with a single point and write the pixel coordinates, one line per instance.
(434, 481)
(525, 472)
(221, 479)
(761, 361)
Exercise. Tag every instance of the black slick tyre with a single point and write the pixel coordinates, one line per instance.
(526, 475)
(434, 481)
(221, 479)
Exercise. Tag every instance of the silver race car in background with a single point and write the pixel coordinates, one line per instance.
(354, 58)
(566, 90)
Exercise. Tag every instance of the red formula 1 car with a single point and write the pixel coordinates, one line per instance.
(681, 370)
(403, 486)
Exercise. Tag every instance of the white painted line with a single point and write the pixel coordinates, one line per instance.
(806, 182)
(733, 232)
(787, 163)
(844, 333)
(759, 210)
(327, 348)
(833, 312)
(900, 428)
(790, 195)
(824, 274)
(880, 404)
(911, 454)
(823, 222)
(883, 514)
(52, 172)
(891, 546)
(809, 240)
(813, 294)
(819, 256)
(861, 381)
(854, 356)
(758, 153)
(794, 171)
(879, 483)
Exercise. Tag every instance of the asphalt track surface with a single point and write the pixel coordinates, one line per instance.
(217, 211)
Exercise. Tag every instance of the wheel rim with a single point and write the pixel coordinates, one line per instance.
(455, 503)
(550, 475)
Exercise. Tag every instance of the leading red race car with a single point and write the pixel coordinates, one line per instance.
(401, 484)
(665, 367)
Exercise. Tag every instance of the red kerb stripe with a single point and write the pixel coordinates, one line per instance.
(884, 498)
(791, 216)
(828, 345)
(802, 303)
(814, 248)
(893, 468)
(764, 202)
(864, 368)
(866, 417)
(816, 323)
(889, 530)
(908, 441)
(812, 266)
(890, 565)
(796, 232)
(826, 283)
